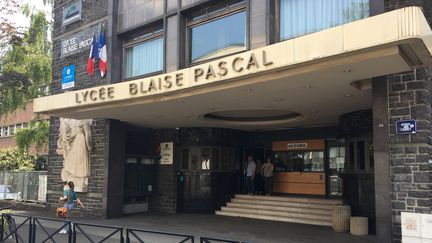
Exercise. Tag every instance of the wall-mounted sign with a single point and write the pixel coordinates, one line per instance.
(167, 152)
(68, 77)
(72, 13)
(406, 127)
(78, 42)
(297, 146)
(416, 227)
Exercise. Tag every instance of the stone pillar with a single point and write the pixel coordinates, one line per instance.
(409, 97)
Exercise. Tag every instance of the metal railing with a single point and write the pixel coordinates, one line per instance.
(49, 236)
(81, 228)
(217, 240)
(41, 230)
(10, 229)
(135, 233)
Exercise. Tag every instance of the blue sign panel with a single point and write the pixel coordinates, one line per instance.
(406, 127)
(68, 77)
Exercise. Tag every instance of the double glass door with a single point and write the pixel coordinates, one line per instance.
(206, 178)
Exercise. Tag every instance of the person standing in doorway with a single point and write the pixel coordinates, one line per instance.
(267, 172)
(250, 175)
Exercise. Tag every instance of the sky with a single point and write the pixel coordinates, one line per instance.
(21, 20)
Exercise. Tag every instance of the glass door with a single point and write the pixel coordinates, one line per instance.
(336, 166)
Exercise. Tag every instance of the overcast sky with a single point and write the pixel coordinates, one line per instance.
(20, 20)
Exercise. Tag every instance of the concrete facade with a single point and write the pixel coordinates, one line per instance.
(402, 168)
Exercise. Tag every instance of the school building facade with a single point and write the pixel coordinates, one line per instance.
(337, 93)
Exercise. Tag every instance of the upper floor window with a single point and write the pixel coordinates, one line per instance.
(217, 30)
(301, 17)
(144, 55)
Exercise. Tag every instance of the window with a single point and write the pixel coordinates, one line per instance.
(144, 58)
(361, 156)
(5, 131)
(300, 17)
(213, 158)
(299, 161)
(217, 31)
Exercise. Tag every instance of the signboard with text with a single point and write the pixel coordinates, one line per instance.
(72, 13)
(79, 42)
(416, 227)
(406, 127)
(167, 152)
(68, 77)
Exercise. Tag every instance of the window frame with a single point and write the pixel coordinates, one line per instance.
(375, 7)
(150, 34)
(189, 25)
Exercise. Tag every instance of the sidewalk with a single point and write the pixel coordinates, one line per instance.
(249, 230)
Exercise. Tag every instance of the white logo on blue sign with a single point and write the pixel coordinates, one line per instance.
(68, 77)
(406, 127)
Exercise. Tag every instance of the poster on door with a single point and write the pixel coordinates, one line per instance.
(167, 152)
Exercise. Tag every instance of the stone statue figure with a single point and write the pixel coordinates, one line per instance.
(75, 144)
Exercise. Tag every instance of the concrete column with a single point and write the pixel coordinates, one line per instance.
(381, 157)
(114, 169)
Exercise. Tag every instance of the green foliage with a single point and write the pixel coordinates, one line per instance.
(16, 160)
(37, 133)
(26, 66)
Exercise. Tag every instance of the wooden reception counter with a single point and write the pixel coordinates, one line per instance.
(311, 183)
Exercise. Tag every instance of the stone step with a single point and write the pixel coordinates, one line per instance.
(280, 208)
(278, 213)
(276, 218)
(290, 199)
(283, 204)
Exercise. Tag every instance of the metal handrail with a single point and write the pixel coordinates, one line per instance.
(36, 221)
(77, 227)
(131, 231)
(14, 232)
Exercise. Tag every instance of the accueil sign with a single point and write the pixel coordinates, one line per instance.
(214, 71)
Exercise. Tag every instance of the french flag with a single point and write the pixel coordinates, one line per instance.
(102, 55)
(92, 56)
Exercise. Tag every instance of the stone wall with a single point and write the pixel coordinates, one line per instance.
(409, 97)
(411, 188)
(94, 12)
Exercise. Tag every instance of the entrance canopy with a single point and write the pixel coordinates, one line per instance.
(306, 81)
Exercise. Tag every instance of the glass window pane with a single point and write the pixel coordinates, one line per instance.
(219, 37)
(371, 156)
(205, 159)
(300, 17)
(185, 159)
(361, 155)
(337, 158)
(351, 156)
(144, 58)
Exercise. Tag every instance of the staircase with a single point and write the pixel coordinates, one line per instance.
(286, 209)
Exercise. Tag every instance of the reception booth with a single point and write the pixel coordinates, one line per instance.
(299, 167)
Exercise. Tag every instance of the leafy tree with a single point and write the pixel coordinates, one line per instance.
(14, 159)
(9, 33)
(36, 133)
(26, 65)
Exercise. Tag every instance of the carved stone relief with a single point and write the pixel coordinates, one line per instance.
(75, 143)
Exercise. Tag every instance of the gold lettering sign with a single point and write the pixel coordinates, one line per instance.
(209, 72)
